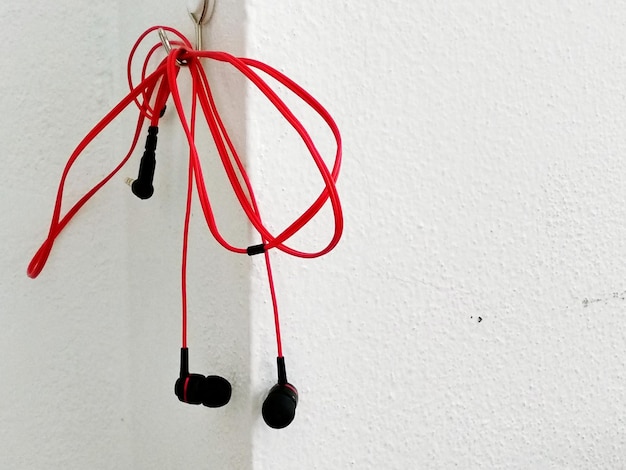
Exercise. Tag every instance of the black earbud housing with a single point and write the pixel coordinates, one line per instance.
(279, 407)
(196, 389)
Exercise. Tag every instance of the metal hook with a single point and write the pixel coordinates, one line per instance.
(167, 45)
(200, 15)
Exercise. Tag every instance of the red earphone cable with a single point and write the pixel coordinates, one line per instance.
(164, 79)
(57, 224)
(190, 183)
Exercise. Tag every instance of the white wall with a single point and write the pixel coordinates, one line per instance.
(64, 337)
(482, 180)
(483, 177)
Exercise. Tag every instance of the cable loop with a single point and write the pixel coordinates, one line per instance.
(150, 96)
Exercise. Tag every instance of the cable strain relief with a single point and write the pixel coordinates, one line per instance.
(256, 249)
(151, 141)
(282, 371)
(184, 362)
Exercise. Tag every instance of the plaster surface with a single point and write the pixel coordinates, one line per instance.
(472, 316)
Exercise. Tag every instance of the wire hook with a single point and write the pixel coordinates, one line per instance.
(200, 15)
(167, 45)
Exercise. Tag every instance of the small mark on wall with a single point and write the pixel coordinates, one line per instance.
(478, 319)
(614, 297)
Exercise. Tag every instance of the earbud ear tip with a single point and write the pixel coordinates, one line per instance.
(218, 391)
(279, 408)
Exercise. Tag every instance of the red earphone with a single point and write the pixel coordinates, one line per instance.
(150, 96)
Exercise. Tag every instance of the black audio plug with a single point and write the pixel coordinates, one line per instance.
(142, 186)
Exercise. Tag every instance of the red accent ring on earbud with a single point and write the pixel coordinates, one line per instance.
(291, 387)
(185, 389)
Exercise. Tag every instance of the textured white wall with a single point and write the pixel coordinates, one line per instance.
(63, 338)
(482, 181)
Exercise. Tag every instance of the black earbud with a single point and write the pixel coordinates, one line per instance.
(196, 389)
(279, 407)
(142, 186)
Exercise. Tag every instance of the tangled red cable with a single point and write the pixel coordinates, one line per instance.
(150, 96)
